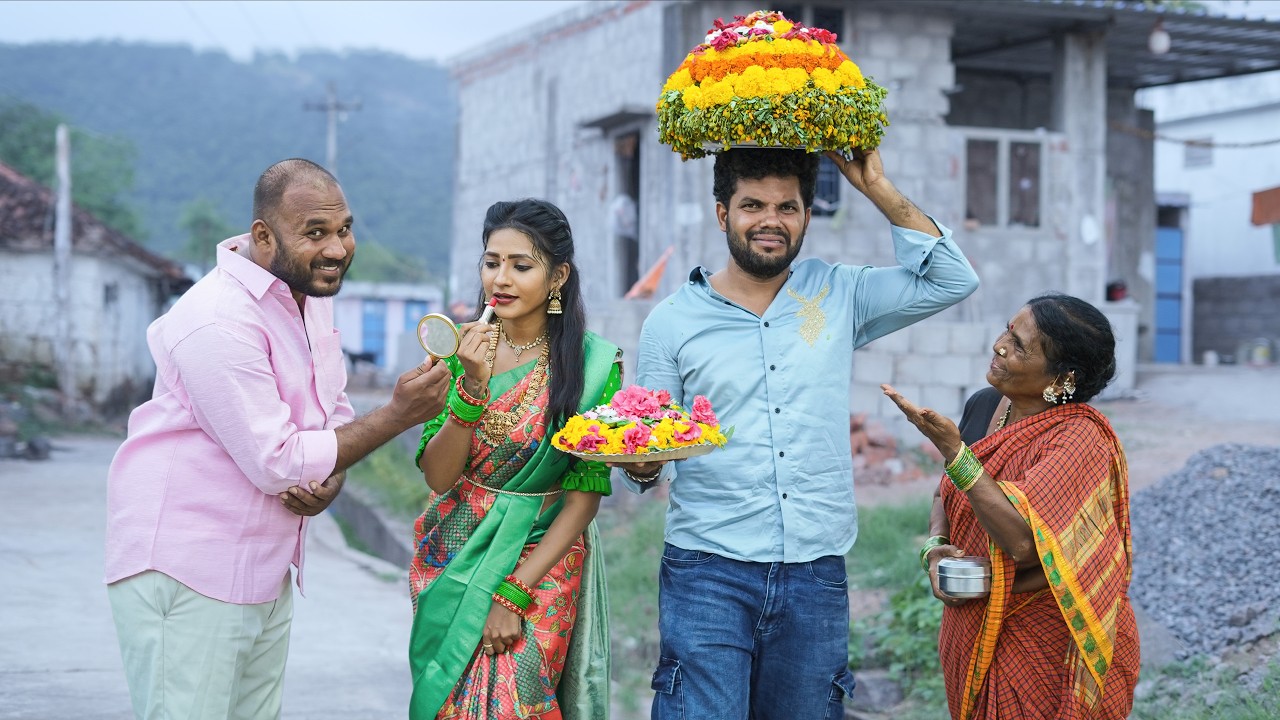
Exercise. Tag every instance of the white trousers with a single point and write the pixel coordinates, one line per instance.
(190, 656)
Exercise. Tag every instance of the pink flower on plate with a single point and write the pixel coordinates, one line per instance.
(702, 411)
(687, 432)
(636, 402)
(591, 441)
(636, 437)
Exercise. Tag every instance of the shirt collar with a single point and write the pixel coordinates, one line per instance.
(235, 260)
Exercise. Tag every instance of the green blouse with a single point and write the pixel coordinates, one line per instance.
(582, 475)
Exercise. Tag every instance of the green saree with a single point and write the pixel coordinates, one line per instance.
(451, 608)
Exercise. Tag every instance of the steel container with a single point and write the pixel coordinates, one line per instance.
(965, 577)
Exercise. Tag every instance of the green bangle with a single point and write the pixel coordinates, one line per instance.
(465, 411)
(931, 543)
(965, 469)
(519, 597)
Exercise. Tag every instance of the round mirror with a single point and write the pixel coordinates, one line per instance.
(438, 335)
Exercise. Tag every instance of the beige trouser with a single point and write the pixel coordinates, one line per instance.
(190, 656)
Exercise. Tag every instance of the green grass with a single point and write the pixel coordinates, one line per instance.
(632, 542)
(889, 538)
(1195, 690)
(395, 483)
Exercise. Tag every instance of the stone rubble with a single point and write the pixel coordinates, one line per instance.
(1207, 548)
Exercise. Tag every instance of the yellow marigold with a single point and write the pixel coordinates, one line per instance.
(662, 433)
(615, 445)
(849, 75)
(679, 80)
(692, 96)
(712, 434)
(825, 80)
(717, 93)
(753, 82)
(782, 27)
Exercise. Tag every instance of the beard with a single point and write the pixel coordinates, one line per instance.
(301, 277)
(757, 264)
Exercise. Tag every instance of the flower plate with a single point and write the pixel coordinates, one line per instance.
(679, 453)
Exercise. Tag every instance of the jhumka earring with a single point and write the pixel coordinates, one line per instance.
(1050, 395)
(554, 307)
(1068, 388)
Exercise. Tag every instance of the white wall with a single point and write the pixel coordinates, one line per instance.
(108, 342)
(1220, 239)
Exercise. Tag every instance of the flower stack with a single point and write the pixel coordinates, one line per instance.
(638, 422)
(765, 80)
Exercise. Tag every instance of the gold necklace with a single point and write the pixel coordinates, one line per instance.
(1005, 417)
(517, 349)
(498, 424)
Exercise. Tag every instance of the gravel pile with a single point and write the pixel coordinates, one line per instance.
(1206, 545)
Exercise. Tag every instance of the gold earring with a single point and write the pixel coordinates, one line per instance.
(1050, 395)
(553, 304)
(1068, 388)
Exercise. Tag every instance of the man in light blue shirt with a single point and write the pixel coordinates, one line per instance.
(753, 605)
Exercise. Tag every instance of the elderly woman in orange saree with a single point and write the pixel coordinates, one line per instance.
(1036, 480)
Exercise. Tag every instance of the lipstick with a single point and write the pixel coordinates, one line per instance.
(487, 315)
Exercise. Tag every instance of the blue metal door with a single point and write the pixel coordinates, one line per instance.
(1168, 295)
(373, 328)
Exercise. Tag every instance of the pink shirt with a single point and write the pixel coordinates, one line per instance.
(246, 400)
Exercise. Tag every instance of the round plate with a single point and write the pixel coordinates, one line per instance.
(680, 453)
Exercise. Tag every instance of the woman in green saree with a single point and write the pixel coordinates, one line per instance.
(510, 618)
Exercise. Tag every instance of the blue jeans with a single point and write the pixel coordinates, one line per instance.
(745, 640)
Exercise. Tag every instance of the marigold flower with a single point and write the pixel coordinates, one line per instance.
(766, 79)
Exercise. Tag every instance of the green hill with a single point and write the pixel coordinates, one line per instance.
(203, 127)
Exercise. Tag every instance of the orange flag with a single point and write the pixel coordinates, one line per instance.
(647, 285)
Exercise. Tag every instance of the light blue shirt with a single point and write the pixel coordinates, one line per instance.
(781, 490)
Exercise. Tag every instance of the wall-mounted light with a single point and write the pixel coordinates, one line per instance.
(1158, 41)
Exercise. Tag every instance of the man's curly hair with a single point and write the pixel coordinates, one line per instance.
(757, 163)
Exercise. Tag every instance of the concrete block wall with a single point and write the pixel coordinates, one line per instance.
(1229, 313)
(937, 363)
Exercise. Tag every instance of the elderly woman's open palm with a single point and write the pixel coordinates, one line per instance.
(940, 430)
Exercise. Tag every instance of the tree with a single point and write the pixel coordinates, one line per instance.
(375, 262)
(205, 228)
(101, 166)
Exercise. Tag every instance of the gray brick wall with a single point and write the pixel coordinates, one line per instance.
(1230, 313)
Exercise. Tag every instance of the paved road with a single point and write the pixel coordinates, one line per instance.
(58, 652)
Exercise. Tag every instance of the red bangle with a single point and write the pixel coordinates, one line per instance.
(520, 584)
(508, 604)
(466, 396)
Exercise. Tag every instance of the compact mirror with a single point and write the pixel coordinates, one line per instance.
(438, 335)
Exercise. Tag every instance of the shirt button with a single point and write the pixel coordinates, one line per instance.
(784, 496)
(766, 323)
(773, 367)
(777, 410)
(782, 454)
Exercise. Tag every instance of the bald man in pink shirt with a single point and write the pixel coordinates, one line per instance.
(248, 433)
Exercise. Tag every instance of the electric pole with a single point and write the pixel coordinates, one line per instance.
(63, 355)
(333, 107)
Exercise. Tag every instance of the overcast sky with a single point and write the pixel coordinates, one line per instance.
(434, 30)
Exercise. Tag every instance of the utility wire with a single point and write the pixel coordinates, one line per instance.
(1149, 135)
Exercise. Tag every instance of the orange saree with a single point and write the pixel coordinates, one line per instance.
(1070, 650)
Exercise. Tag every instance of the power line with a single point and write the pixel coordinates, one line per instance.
(205, 28)
(1149, 135)
(253, 26)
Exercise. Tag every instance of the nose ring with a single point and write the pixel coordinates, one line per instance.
(1001, 352)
